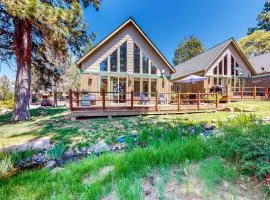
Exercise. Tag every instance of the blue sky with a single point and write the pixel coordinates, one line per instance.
(168, 22)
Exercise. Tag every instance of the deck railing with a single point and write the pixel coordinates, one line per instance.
(247, 92)
(81, 100)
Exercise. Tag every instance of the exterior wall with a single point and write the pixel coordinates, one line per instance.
(90, 67)
(229, 79)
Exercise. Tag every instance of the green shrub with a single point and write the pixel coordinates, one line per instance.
(56, 151)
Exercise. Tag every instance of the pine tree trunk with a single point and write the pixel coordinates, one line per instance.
(22, 47)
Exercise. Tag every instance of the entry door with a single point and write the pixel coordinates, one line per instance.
(119, 87)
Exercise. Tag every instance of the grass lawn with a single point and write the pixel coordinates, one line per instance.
(167, 161)
(55, 122)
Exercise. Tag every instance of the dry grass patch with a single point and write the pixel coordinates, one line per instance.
(103, 172)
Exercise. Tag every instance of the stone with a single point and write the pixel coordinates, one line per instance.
(228, 109)
(209, 127)
(248, 110)
(226, 184)
(51, 164)
(40, 158)
(68, 154)
(237, 110)
(57, 170)
(101, 147)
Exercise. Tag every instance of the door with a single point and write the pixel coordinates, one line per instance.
(119, 89)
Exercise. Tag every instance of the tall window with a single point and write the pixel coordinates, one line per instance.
(145, 86)
(225, 65)
(153, 69)
(104, 65)
(137, 64)
(232, 65)
(220, 68)
(104, 84)
(153, 87)
(215, 81)
(237, 69)
(137, 87)
(123, 57)
(215, 70)
(114, 61)
(145, 64)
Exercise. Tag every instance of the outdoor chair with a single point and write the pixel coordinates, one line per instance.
(162, 99)
(143, 99)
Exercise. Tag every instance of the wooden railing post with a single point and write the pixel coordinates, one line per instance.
(77, 98)
(242, 92)
(216, 100)
(132, 100)
(70, 100)
(198, 100)
(228, 93)
(179, 100)
(103, 99)
(156, 107)
(254, 92)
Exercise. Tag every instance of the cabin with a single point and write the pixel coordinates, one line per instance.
(126, 60)
(224, 65)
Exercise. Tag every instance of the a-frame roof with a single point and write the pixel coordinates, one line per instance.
(116, 31)
(203, 61)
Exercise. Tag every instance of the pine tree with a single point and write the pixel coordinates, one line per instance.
(187, 49)
(34, 32)
(263, 19)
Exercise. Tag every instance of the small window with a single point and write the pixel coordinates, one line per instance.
(137, 63)
(220, 68)
(104, 65)
(220, 81)
(114, 61)
(237, 69)
(145, 64)
(123, 57)
(215, 81)
(225, 65)
(89, 82)
(153, 69)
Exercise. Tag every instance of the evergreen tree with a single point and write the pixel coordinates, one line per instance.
(187, 49)
(263, 19)
(30, 30)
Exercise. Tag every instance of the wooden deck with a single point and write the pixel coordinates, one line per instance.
(106, 104)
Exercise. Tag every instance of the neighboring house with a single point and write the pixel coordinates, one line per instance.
(125, 61)
(224, 64)
(261, 64)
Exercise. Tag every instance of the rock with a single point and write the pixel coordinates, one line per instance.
(40, 158)
(266, 120)
(122, 139)
(237, 110)
(51, 164)
(192, 130)
(209, 127)
(90, 150)
(228, 109)
(57, 170)
(248, 110)
(68, 154)
(101, 147)
(226, 184)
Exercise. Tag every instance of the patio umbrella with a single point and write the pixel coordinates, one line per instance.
(192, 79)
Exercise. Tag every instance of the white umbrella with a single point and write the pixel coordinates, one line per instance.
(192, 79)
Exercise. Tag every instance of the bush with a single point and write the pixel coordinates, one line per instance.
(247, 144)
(8, 104)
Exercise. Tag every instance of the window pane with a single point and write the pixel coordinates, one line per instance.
(136, 59)
(145, 86)
(215, 81)
(232, 65)
(104, 84)
(114, 61)
(153, 69)
(237, 69)
(225, 65)
(137, 87)
(215, 70)
(153, 87)
(145, 65)
(123, 57)
(104, 65)
(220, 68)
